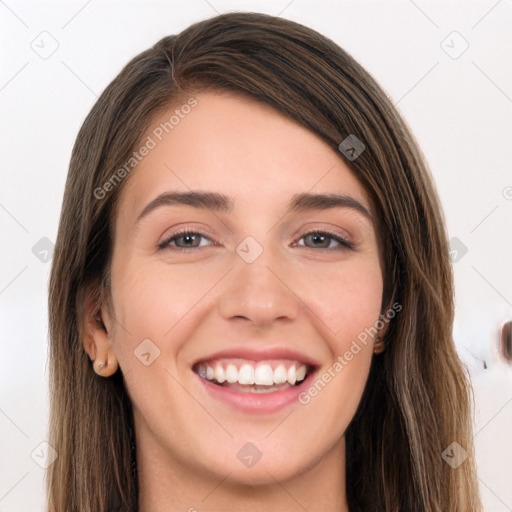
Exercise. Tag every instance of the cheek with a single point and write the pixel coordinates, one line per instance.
(348, 305)
(348, 302)
(157, 301)
(347, 299)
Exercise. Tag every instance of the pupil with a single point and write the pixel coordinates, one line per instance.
(317, 239)
(188, 239)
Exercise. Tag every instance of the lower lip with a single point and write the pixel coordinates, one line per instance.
(259, 403)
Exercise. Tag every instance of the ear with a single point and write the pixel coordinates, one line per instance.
(379, 346)
(95, 332)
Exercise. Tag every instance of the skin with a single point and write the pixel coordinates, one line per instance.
(191, 304)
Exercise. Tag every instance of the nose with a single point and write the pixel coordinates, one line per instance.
(260, 292)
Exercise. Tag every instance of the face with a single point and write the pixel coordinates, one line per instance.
(269, 285)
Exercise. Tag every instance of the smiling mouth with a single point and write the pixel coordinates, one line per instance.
(254, 377)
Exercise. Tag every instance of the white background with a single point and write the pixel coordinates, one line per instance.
(460, 110)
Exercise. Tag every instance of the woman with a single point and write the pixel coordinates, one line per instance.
(251, 298)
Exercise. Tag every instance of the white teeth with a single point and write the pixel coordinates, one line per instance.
(219, 374)
(291, 376)
(231, 373)
(301, 373)
(264, 376)
(248, 374)
(280, 374)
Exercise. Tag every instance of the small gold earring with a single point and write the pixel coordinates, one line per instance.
(99, 366)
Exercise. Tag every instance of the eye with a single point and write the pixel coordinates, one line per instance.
(185, 239)
(324, 239)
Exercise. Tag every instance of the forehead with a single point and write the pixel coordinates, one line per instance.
(240, 147)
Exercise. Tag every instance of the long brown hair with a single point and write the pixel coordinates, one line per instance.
(418, 398)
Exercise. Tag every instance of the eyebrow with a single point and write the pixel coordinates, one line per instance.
(222, 203)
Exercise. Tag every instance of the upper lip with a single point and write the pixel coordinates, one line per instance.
(260, 354)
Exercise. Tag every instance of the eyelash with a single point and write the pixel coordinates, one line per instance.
(344, 243)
